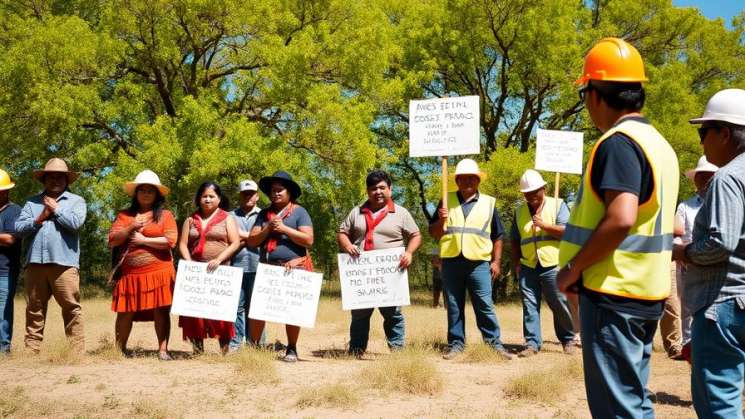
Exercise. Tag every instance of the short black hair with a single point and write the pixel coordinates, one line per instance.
(376, 176)
(224, 201)
(620, 96)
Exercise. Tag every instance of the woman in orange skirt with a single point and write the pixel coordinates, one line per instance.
(210, 235)
(144, 234)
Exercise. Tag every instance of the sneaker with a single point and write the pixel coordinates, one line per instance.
(504, 354)
(290, 355)
(452, 353)
(527, 352)
(569, 347)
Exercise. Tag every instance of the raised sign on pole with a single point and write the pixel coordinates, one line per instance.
(373, 279)
(559, 151)
(285, 297)
(209, 295)
(444, 127)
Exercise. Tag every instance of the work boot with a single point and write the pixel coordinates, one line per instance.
(527, 352)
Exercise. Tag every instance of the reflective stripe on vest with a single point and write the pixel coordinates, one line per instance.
(469, 236)
(640, 266)
(542, 247)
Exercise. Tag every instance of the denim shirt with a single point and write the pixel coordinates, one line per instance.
(718, 247)
(57, 239)
(246, 257)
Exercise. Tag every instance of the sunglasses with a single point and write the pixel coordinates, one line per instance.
(583, 92)
(703, 130)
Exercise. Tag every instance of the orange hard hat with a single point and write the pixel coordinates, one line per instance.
(613, 59)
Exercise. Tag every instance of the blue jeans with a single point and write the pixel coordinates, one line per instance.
(718, 358)
(535, 283)
(393, 325)
(459, 274)
(244, 303)
(7, 293)
(616, 348)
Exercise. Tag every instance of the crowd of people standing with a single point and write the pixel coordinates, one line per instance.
(612, 252)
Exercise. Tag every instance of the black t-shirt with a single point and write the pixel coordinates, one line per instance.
(620, 165)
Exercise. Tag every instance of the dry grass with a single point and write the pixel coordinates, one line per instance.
(254, 366)
(335, 396)
(408, 371)
(152, 409)
(546, 385)
(481, 353)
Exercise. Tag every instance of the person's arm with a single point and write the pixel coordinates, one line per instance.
(342, 236)
(140, 239)
(515, 256)
(620, 216)
(258, 234)
(183, 241)
(415, 240)
(496, 260)
(553, 230)
(71, 217)
(437, 229)
(234, 242)
(303, 235)
(726, 213)
(679, 224)
(120, 232)
(8, 235)
(26, 223)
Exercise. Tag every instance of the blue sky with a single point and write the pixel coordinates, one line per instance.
(715, 8)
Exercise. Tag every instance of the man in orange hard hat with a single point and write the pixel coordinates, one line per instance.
(617, 245)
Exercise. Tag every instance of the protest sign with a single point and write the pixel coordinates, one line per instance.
(373, 279)
(444, 127)
(285, 297)
(209, 295)
(559, 151)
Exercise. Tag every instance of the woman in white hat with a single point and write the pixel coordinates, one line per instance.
(142, 236)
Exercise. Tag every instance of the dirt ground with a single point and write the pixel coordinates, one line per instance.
(416, 383)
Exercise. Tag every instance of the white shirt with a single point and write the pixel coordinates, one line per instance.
(686, 215)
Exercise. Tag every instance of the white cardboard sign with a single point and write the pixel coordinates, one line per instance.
(444, 127)
(285, 297)
(209, 295)
(559, 151)
(373, 279)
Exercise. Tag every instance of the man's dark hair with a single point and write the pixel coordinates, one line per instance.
(376, 176)
(620, 96)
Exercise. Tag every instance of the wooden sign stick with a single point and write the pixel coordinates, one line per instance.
(556, 194)
(445, 184)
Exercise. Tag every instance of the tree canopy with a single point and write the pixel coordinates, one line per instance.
(202, 90)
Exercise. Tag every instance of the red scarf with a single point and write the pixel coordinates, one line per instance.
(196, 221)
(271, 243)
(373, 222)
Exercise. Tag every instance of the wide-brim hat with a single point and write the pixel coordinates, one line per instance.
(56, 165)
(703, 165)
(145, 177)
(265, 184)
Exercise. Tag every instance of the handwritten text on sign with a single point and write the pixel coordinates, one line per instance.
(285, 297)
(444, 127)
(559, 151)
(373, 280)
(209, 295)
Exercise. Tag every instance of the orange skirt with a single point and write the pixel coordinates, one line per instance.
(142, 292)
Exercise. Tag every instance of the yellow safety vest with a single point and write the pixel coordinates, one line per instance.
(470, 235)
(640, 266)
(542, 246)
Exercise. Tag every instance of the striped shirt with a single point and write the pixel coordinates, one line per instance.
(718, 247)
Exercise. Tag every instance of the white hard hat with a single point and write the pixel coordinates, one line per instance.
(531, 181)
(726, 105)
(469, 167)
(702, 166)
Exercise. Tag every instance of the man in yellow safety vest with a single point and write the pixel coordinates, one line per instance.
(536, 230)
(470, 234)
(617, 245)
